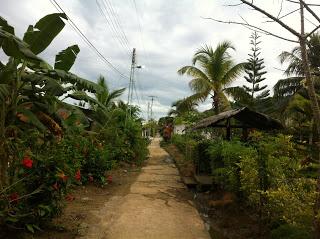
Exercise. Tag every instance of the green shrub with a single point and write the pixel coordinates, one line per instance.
(226, 157)
(287, 231)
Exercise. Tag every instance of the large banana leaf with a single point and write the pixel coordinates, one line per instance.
(29, 117)
(5, 26)
(82, 96)
(66, 58)
(78, 82)
(4, 92)
(15, 47)
(47, 84)
(42, 34)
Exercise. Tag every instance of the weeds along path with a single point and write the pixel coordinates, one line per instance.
(157, 206)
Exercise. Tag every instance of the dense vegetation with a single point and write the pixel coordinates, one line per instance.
(47, 146)
(272, 174)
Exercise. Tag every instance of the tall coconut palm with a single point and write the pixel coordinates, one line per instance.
(212, 71)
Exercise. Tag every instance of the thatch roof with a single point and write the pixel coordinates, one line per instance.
(247, 117)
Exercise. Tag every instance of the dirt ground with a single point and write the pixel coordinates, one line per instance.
(80, 213)
(149, 202)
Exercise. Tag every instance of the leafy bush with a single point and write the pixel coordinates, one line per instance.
(226, 157)
(39, 183)
(287, 231)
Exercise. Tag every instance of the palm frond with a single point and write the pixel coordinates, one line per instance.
(287, 87)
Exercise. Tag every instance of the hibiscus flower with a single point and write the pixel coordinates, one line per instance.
(27, 162)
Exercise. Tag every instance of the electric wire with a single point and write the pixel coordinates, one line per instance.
(118, 23)
(87, 41)
(110, 27)
(111, 22)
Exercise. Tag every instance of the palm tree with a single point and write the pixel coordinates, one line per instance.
(286, 89)
(216, 70)
(181, 107)
(105, 96)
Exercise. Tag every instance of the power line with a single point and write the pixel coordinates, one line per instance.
(110, 27)
(112, 24)
(140, 30)
(118, 23)
(89, 43)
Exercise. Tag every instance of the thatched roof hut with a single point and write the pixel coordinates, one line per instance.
(246, 117)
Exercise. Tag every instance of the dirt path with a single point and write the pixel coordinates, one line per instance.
(157, 206)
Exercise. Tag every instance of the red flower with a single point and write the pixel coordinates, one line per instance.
(69, 197)
(109, 179)
(14, 197)
(55, 186)
(62, 176)
(90, 178)
(27, 162)
(78, 175)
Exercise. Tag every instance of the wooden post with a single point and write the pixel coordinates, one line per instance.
(228, 136)
(245, 133)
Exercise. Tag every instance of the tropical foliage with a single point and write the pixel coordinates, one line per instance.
(46, 144)
(273, 175)
(216, 70)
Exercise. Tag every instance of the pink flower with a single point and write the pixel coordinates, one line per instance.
(90, 178)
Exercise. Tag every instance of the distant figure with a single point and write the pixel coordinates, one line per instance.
(167, 131)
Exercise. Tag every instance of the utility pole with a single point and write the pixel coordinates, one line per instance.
(131, 79)
(148, 112)
(152, 99)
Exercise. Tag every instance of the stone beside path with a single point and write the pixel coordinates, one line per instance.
(155, 207)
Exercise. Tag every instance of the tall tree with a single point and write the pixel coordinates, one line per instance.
(216, 70)
(254, 70)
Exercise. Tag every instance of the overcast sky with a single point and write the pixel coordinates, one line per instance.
(169, 34)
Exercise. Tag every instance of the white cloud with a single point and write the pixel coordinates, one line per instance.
(171, 32)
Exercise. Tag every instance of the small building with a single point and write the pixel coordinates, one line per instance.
(244, 118)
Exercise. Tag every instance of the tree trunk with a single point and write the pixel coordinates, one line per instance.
(3, 156)
(216, 103)
(315, 110)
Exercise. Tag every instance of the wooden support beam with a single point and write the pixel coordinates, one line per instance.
(228, 136)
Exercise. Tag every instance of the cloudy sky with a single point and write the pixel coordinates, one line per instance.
(165, 34)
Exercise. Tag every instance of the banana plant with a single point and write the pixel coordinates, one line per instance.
(30, 89)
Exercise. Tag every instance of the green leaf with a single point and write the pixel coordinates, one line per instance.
(66, 58)
(78, 82)
(30, 228)
(42, 34)
(48, 85)
(42, 213)
(82, 96)
(4, 92)
(5, 26)
(31, 118)
(15, 47)
(12, 219)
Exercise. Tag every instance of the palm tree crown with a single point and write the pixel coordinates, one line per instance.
(216, 70)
